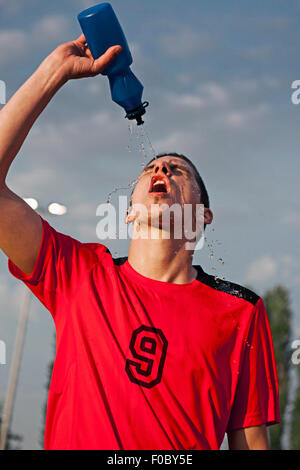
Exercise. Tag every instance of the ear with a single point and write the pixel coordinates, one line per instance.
(130, 214)
(208, 216)
(128, 218)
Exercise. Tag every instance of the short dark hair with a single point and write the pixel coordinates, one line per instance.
(203, 190)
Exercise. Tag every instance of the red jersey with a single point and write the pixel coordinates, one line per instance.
(145, 364)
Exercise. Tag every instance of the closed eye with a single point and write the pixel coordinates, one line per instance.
(179, 168)
(173, 167)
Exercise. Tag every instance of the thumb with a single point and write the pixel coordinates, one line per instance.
(105, 59)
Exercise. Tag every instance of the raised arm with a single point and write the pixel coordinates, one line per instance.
(20, 226)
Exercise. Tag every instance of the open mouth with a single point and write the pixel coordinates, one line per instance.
(158, 185)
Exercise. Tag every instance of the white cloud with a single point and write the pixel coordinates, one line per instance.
(184, 43)
(288, 261)
(35, 179)
(3, 287)
(14, 45)
(214, 93)
(181, 141)
(289, 269)
(136, 52)
(251, 86)
(261, 270)
(241, 117)
(75, 139)
(258, 53)
(246, 85)
(292, 219)
(212, 106)
(187, 100)
(296, 280)
(208, 95)
(274, 24)
(296, 332)
(93, 87)
(87, 4)
(51, 28)
(11, 292)
(185, 79)
(12, 7)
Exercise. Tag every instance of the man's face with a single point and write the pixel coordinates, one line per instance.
(167, 180)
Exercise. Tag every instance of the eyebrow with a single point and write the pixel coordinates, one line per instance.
(172, 162)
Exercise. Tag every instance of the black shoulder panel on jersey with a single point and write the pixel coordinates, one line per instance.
(226, 286)
(119, 261)
(212, 281)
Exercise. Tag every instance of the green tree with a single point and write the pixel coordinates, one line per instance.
(277, 304)
(13, 440)
(47, 385)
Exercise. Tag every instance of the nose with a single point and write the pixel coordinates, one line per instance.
(162, 167)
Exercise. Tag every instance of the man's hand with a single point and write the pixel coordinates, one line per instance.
(252, 438)
(76, 60)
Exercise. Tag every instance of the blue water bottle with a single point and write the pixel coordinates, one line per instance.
(102, 30)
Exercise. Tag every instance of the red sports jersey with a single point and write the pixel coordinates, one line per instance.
(145, 364)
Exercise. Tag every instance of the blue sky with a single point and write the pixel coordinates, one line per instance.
(218, 78)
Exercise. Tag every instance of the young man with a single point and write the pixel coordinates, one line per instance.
(152, 353)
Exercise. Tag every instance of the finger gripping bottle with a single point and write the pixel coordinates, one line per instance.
(102, 30)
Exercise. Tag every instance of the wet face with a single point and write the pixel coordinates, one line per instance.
(167, 180)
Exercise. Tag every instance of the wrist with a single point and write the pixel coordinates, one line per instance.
(51, 73)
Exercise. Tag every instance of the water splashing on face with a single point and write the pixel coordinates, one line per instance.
(130, 130)
(138, 141)
(141, 145)
(213, 246)
(154, 153)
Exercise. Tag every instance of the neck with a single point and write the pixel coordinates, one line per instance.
(162, 260)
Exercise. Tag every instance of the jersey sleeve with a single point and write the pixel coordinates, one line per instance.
(61, 266)
(256, 400)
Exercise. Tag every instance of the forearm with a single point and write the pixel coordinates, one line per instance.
(252, 438)
(22, 110)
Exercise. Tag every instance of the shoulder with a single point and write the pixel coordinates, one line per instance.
(227, 287)
(67, 246)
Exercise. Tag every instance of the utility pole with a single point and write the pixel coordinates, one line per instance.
(15, 367)
(53, 208)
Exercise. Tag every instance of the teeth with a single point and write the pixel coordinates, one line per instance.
(158, 182)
